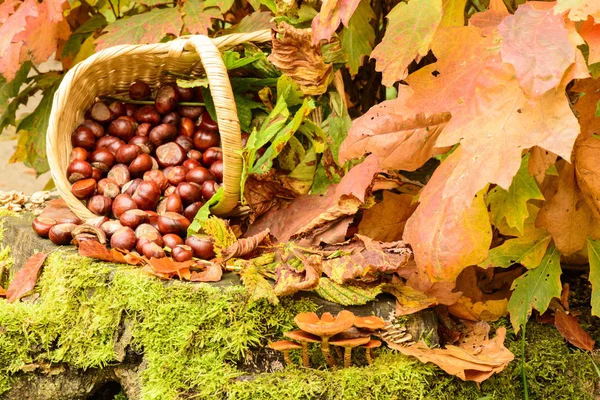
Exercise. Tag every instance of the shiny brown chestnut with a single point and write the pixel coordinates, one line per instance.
(182, 253)
(162, 134)
(195, 155)
(133, 218)
(207, 122)
(145, 229)
(172, 118)
(139, 90)
(204, 139)
(170, 190)
(211, 155)
(191, 112)
(97, 221)
(130, 109)
(143, 129)
(108, 188)
(97, 174)
(147, 114)
(152, 250)
(70, 219)
(123, 239)
(170, 154)
(173, 204)
(60, 234)
(190, 164)
(144, 143)
(102, 159)
(216, 169)
(129, 187)
(117, 108)
(110, 227)
(172, 222)
(176, 175)
(121, 128)
(187, 127)
(95, 127)
(189, 192)
(146, 195)
(84, 188)
(202, 246)
(122, 203)
(101, 113)
(171, 240)
(141, 164)
(158, 177)
(153, 237)
(166, 99)
(199, 175)
(153, 218)
(127, 153)
(79, 170)
(120, 174)
(109, 143)
(185, 142)
(78, 153)
(42, 225)
(185, 94)
(209, 188)
(99, 205)
(191, 210)
(83, 137)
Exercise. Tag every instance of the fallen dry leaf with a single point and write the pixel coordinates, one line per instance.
(244, 246)
(539, 162)
(26, 278)
(587, 169)
(385, 221)
(443, 292)
(568, 326)
(290, 280)
(167, 266)
(212, 273)
(264, 192)
(93, 249)
(475, 362)
(408, 299)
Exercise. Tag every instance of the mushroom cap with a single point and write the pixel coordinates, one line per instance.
(301, 336)
(371, 322)
(372, 344)
(327, 325)
(350, 342)
(284, 345)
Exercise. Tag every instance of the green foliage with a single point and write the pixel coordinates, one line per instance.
(204, 212)
(593, 248)
(358, 38)
(527, 250)
(346, 295)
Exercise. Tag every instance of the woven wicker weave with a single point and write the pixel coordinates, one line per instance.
(114, 69)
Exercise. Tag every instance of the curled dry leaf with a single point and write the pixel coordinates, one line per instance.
(244, 246)
(26, 278)
(385, 221)
(212, 273)
(587, 169)
(568, 326)
(295, 56)
(264, 192)
(289, 280)
(94, 249)
(473, 362)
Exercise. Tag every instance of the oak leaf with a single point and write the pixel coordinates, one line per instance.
(474, 362)
(385, 220)
(453, 12)
(568, 326)
(443, 292)
(295, 56)
(328, 19)
(25, 278)
(13, 23)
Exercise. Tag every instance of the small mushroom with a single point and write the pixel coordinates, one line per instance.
(348, 344)
(285, 346)
(369, 349)
(304, 338)
(371, 323)
(325, 327)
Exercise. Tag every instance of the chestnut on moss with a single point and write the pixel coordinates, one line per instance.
(123, 239)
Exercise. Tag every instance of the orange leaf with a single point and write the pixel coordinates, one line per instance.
(166, 265)
(385, 221)
(25, 279)
(212, 274)
(94, 249)
(568, 326)
(328, 19)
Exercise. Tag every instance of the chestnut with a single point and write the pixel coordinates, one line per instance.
(84, 188)
(166, 99)
(78, 153)
(141, 164)
(122, 203)
(176, 175)
(190, 164)
(110, 227)
(109, 143)
(130, 109)
(95, 127)
(139, 90)
(189, 192)
(117, 108)
(216, 169)
(79, 170)
(133, 218)
(157, 177)
(97, 174)
(102, 159)
(202, 246)
(143, 129)
(108, 188)
(162, 134)
(99, 205)
(207, 122)
(123, 239)
(172, 222)
(61, 233)
(127, 153)
(182, 253)
(187, 127)
(83, 137)
(171, 118)
(144, 143)
(209, 188)
(185, 94)
(170, 203)
(191, 112)
(121, 128)
(245, 137)
(152, 250)
(153, 237)
(170, 154)
(171, 240)
(145, 229)
(120, 174)
(153, 218)
(211, 155)
(101, 113)
(129, 187)
(195, 155)
(146, 195)
(97, 222)
(191, 210)
(42, 225)
(204, 139)
(186, 142)
(147, 114)
(199, 175)
(170, 190)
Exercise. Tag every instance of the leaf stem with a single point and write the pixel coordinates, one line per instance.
(476, 5)
(178, 75)
(151, 102)
(523, 373)
(112, 7)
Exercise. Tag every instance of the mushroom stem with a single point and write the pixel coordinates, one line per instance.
(286, 357)
(326, 353)
(369, 356)
(305, 362)
(347, 357)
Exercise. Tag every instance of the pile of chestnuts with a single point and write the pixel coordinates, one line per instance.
(145, 170)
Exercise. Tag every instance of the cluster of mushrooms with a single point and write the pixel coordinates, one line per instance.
(345, 330)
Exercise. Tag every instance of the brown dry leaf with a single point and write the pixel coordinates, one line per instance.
(565, 213)
(290, 280)
(568, 326)
(294, 55)
(408, 300)
(212, 273)
(469, 364)
(587, 169)
(166, 266)
(26, 278)
(244, 246)
(264, 192)
(589, 90)
(443, 292)
(539, 162)
(385, 221)
(488, 310)
(94, 249)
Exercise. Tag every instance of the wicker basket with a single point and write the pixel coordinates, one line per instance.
(113, 69)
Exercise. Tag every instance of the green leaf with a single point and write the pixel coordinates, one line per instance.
(535, 288)
(323, 180)
(271, 5)
(598, 109)
(253, 22)
(220, 231)
(512, 204)
(291, 155)
(244, 85)
(346, 295)
(187, 83)
(233, 59)
(359, 37)
(289, 92)
(89, 27)
(315, 134)
(256, 284)
(204, 212)
(527, 250)
(223, 5)
(244, 107)
(302, 177)
(209, 104)
(10, 98)
(593, 247)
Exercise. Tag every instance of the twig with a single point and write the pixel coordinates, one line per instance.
(113, 9)
(35, 69)
(150, 102)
